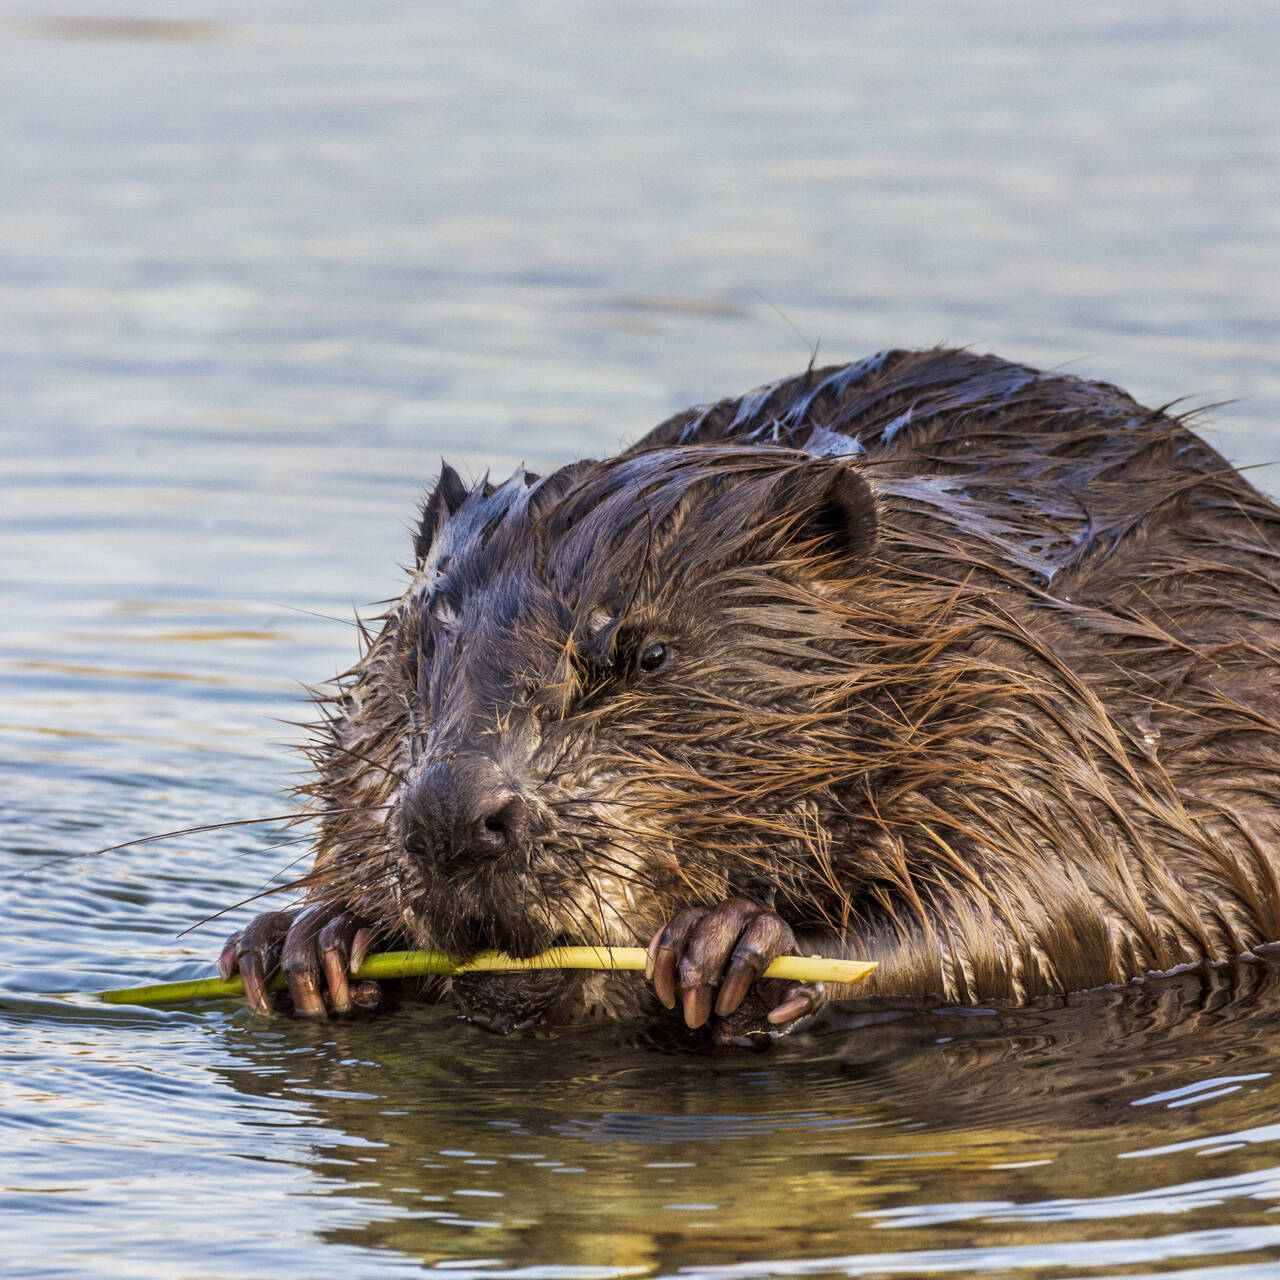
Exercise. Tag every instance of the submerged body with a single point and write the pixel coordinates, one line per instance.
(932, 660)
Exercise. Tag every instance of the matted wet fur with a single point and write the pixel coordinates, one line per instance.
(954, 665)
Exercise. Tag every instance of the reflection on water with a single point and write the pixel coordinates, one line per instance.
(259, 270)
(1118, 1127)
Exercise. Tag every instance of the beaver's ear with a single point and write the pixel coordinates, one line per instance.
(445, 499)
(825, 510)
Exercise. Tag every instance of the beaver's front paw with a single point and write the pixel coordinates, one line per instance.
(316, 951)
(718, 955)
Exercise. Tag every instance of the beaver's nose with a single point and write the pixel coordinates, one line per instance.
(463, 809)
(505, 827)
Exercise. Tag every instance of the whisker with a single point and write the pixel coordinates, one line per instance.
(57, 859)
(279, 844)
(376, 764)
(301, 882)
(311, 613)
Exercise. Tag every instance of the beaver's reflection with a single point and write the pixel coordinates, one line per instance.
(452, 1143)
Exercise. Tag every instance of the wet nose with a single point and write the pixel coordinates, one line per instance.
(505, 827)
(463, 810)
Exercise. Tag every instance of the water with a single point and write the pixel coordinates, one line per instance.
(260, 266)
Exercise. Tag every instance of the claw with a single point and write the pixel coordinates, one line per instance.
(315, 950)
(301, 959)
(801, 1001)
(360, 945)
(305, 989)
(765, 937)
(697, 1005)
(670, 944)
(257, 956)
(709, 961)
(335, 976)
(733, 989)
(227, 957)
(253, 972)
(334, 943)
(651, 955)
(664, 977)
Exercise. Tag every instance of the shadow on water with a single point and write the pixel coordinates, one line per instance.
(1116, 1128)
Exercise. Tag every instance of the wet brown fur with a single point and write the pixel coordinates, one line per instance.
(1014, 730)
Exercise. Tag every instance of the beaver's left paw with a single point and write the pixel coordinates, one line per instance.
(711, 959)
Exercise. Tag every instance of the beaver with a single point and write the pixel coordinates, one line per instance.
(931, 659)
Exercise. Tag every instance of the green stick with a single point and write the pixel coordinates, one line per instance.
(415, 964)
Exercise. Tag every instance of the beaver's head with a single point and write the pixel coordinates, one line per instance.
(607, 693)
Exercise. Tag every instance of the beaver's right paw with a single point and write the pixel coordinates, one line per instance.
(316, 951)
(720, 955)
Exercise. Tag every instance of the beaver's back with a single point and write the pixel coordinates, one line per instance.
(1067, 491)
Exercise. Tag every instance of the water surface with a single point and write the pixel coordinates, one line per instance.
(260, 267)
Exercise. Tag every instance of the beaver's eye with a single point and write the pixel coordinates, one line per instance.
(654, 656)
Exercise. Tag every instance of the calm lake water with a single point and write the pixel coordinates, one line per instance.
(260, 267)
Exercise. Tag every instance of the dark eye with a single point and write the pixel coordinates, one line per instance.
(654, 656)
